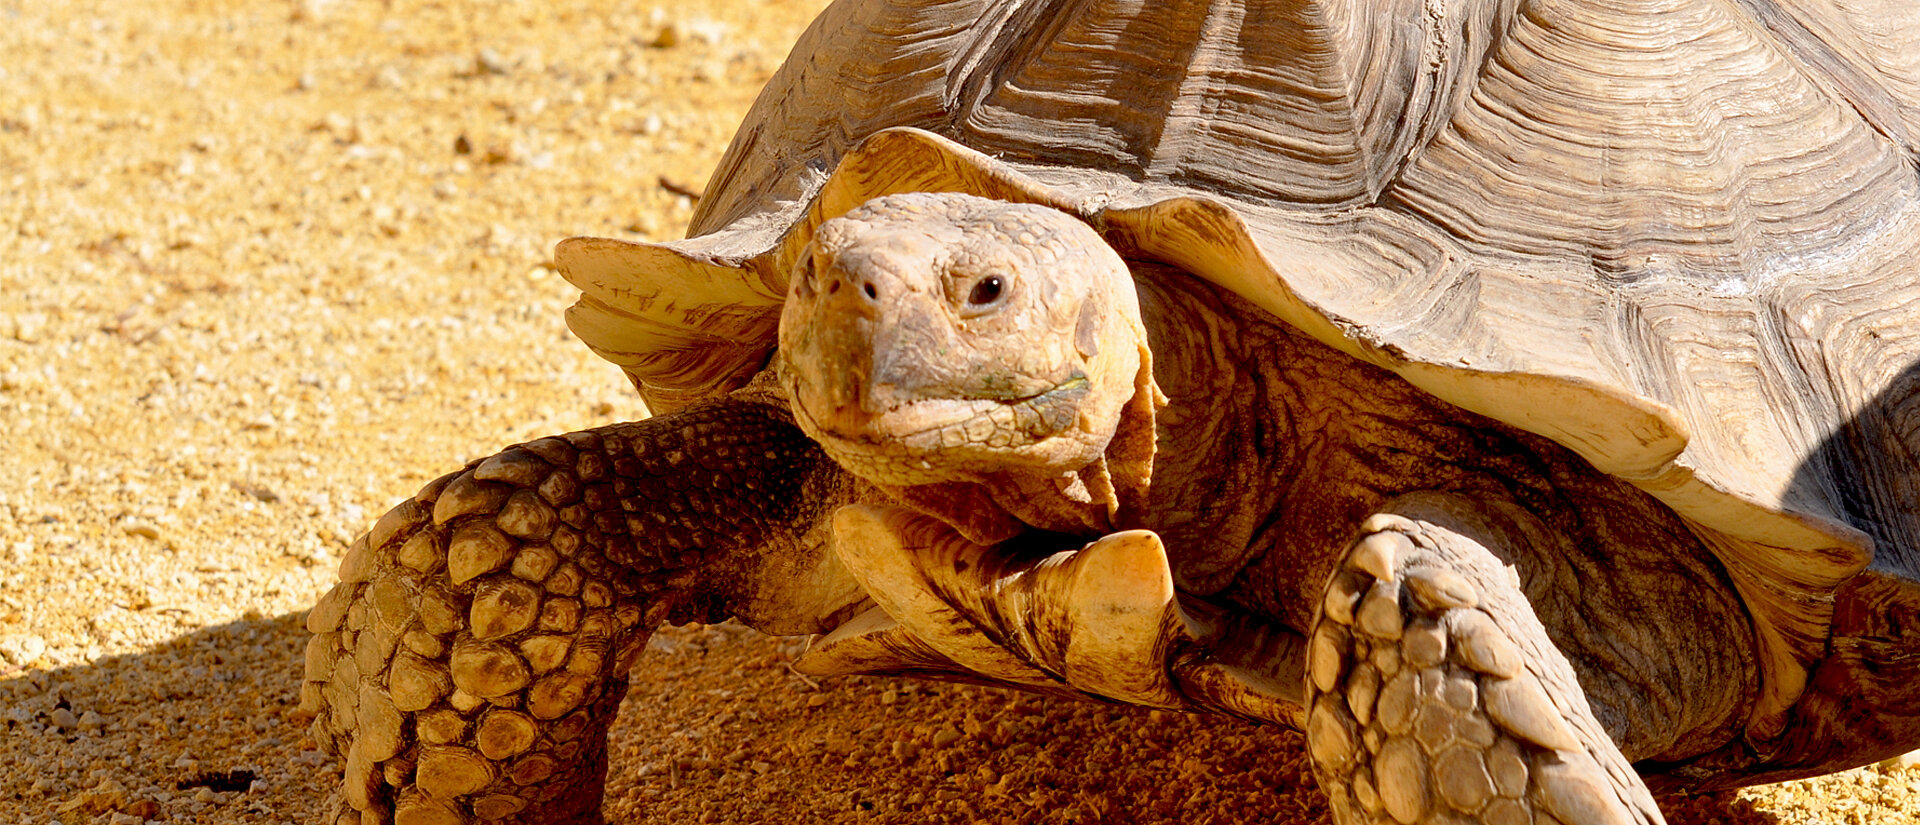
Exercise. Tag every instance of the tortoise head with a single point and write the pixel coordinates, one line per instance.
(931, 338)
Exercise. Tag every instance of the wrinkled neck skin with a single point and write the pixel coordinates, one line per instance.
(1228, 439)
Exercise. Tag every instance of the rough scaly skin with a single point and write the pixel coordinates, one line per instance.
(470, 661)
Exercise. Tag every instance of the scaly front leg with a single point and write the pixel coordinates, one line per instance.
(1436, 695)
(470, 661)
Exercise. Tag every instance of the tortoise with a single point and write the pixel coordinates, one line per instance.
(1518, 397)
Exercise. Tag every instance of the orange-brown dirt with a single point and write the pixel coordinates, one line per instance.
(266, 266)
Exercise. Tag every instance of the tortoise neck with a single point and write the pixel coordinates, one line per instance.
(1229, 439)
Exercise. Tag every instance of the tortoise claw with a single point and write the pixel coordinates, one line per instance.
(872, 643)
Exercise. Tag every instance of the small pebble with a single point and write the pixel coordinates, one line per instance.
(64, 719)
(488, 61)
(22, 648)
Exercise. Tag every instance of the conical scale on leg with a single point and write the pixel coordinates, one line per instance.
(1521, 708)
(1402, 773)
(447, 772)
(1460, 773)
(1435, 589)
(1570, 786)
(1327, 654)
(1483, 646)
(1343, 595)
(1380, 615)
(467, 495)
(1378, 555)
(1363, 688)
(1398, 703)
(1423, 644)
(1330, 733)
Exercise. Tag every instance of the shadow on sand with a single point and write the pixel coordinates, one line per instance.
(207, 714)
(220, 704)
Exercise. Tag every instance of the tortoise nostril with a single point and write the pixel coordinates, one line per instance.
(872, 293)
(833, 287)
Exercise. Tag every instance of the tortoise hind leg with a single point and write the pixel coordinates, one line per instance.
(1436, 696)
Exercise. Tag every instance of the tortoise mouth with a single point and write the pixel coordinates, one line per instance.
(922, 436)
(993, 420)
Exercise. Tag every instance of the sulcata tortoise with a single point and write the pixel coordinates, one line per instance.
(1519, 396)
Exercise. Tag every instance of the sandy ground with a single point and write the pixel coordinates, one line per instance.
(268, 266)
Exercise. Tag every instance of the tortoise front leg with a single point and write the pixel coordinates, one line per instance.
(470, 661)
(1435, 694)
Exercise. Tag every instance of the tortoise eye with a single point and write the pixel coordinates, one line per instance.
(986, 290)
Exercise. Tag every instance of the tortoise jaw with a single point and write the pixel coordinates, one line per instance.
(1032, 414)
(932, 440)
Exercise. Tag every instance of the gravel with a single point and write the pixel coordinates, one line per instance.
(271, 266)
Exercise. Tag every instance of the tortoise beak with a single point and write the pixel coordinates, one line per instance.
(842, 342)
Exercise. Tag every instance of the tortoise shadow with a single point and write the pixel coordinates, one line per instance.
(903, 751)
(207, 714)
(168, 726)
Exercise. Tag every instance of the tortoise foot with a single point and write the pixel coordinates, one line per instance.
(467, 667)
(1435, 695)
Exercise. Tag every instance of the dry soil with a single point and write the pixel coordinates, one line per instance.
(268, 266)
